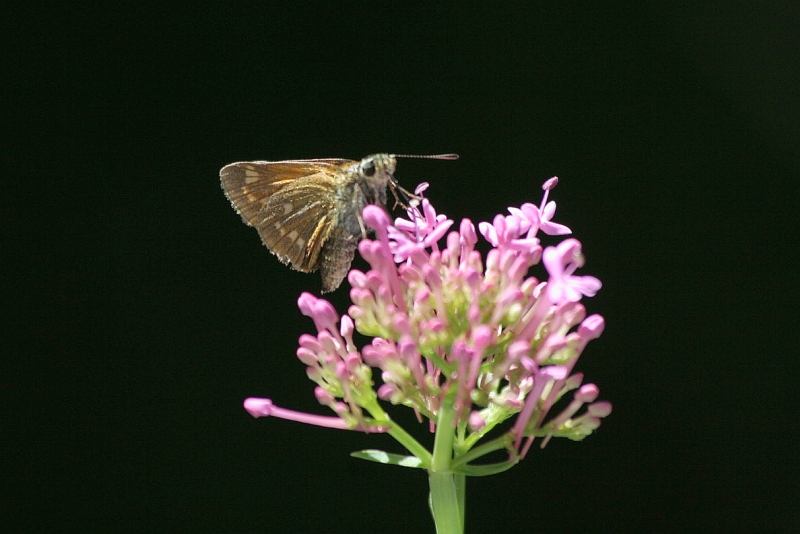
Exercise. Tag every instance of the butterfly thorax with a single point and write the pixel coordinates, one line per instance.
(364, 184)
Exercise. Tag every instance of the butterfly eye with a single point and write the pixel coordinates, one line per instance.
(368, 167)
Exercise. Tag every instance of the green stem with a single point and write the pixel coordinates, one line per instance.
(447, 489)
(496, 444)
(461, 492)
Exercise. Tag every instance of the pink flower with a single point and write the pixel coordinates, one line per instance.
(475, 342)
(560, 262)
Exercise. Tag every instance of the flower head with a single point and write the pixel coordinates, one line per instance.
(481, 339)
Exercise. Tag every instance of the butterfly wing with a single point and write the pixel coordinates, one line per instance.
(250, 184)
(291, 204)
(337, 255)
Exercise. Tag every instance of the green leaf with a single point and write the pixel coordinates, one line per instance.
(381, 457)
(485, 470)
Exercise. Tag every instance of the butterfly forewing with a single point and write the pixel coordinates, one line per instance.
(249, 184)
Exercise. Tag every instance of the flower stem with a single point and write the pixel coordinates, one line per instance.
(446, 488)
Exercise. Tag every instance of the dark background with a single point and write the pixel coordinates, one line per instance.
(141, 311)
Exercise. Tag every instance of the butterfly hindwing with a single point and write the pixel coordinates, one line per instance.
(295, 224)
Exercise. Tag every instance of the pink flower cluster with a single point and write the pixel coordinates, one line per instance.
(483, 338)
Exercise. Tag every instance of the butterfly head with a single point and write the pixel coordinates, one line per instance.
(378, 169)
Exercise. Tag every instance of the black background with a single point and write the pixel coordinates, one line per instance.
(141, 311)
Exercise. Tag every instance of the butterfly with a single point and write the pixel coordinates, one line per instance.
(308, 211)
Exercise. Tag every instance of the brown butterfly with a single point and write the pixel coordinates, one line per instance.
(308, 211)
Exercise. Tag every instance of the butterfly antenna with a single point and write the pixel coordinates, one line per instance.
(450, 157)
